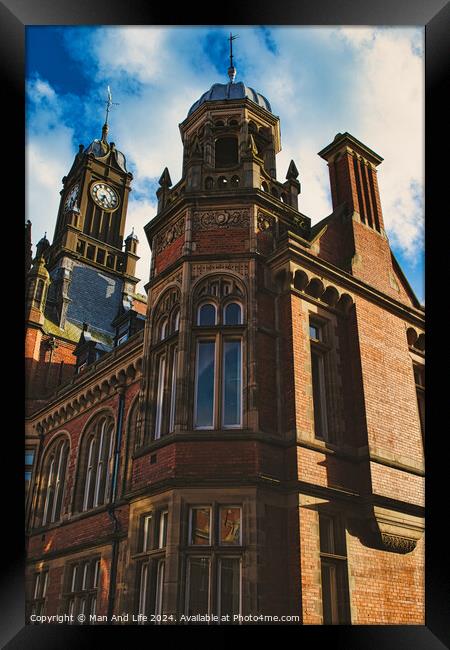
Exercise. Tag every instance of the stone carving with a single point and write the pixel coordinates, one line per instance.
(166, 303)
(265, 221)
(157, 289)
(200, 269)
(165, 238)
(398, 544)
(205, 220)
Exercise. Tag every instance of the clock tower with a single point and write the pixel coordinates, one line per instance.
(92, 272)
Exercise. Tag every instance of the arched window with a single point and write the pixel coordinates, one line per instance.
(54, 472)
(264, 186)
(232, 314)
(206, 314)
(163, 329)
(98, 457)
(175, 321)
(209, 183)
(164, 362)
(218, 395)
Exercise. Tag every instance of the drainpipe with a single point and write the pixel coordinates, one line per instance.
(111, 511)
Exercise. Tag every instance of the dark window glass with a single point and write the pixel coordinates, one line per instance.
(318, 394)
(233, 314)
(330, 594)
(207, 315)
(229, 587)
(198, 595)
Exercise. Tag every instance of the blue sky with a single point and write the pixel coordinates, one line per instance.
(319, 81)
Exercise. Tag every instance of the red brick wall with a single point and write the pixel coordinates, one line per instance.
(386, 588)
(221, 240)
(169, 255)
(388, 383)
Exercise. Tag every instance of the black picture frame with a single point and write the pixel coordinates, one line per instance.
(15, 15)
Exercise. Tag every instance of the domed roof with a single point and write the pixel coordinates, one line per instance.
(222, 92)
(101, 148)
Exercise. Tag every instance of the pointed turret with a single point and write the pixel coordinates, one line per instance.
(292, 184)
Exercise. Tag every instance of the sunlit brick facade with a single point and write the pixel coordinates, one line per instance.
(256, 445)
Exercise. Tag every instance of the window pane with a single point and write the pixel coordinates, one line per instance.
(74, 578)
(233, 314)
(198, 586)
(230, 525)
(232, 383)
(143, 589)
(96, 573)
(173, 392)
(205, 384)
(200, 526)
(318, 395)
(207, 315)
(327, 542)
(29, 457)
(159, 588)
(329, 594)
(314, 332)
(163, 529)
(229, 587)
(44, 585)
(163, 330)
(146, 533)
(159, 397)
(37, 581)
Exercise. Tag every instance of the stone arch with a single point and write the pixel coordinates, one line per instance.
(330, 295)
(315, 288)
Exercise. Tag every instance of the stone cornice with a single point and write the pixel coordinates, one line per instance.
(292, 253)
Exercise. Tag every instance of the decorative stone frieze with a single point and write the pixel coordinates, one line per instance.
(201, 269)
(209, 219)
(398, 544)
(166, 237)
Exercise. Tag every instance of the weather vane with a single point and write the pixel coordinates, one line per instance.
(232, 69)
(109, 102)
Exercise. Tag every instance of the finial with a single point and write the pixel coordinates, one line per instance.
(232, 69)
(292, 172)
(109, 102)
(165, 180)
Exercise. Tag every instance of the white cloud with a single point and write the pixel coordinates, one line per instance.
(390, 101)
(49, 155)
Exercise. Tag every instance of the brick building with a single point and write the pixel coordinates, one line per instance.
(248, 438)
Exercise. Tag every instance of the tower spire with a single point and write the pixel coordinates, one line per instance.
(232, 69)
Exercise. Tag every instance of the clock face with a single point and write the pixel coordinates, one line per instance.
(71, 197)
(105, 196)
